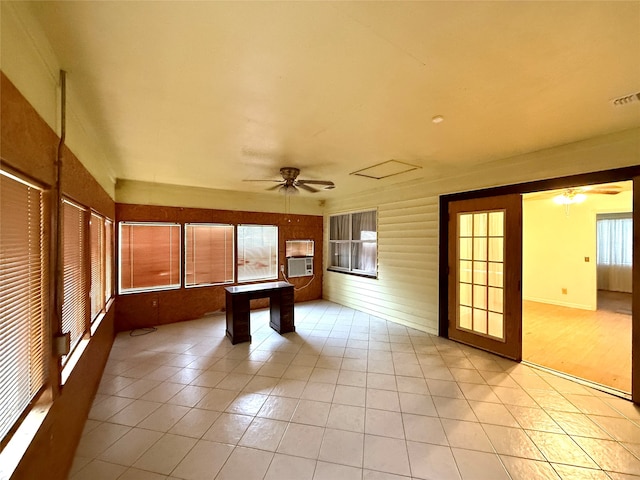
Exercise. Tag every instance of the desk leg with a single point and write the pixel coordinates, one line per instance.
(281, 309)
(238, 318)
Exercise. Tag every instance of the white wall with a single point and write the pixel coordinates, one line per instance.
(554, 249)
(555, 244)
(406, 290)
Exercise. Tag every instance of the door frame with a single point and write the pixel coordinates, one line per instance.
(604, 176)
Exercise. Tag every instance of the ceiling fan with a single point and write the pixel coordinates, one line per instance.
(290, 183)
(579, 194)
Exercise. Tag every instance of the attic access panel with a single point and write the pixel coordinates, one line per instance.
(386, 169)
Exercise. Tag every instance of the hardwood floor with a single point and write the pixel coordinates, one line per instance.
(595, 346)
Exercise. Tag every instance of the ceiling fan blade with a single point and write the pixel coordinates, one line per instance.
(604, 191)
(306, 187)
(275, 187)
(315, 182)
(261, 180)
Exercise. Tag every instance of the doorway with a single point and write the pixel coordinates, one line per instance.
(577, 264)
(447, 306)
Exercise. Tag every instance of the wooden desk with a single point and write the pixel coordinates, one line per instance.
(238, 299)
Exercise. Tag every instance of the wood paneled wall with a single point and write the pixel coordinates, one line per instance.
(29, 146)
(138, 310)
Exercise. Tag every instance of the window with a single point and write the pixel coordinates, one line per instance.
(257, 252)
(74, 276)
(24, 284)
(615, 239)
(97, 230)
(208, 253)
(299, 248)
(615, 252)
(101, 232)
(353, 243)
(481, 266)
(108, 262)
(149, 256)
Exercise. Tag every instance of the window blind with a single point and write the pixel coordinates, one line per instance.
(149, 256)
(108, 262)
(75, 288)
(23, 298)
(208, 254)
(257, 252)
(97, 265)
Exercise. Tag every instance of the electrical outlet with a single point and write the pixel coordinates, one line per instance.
(564, 291)
(282, 268)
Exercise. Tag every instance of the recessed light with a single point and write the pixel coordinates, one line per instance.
(438, 119)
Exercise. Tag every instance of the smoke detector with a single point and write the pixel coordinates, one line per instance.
(627, 99)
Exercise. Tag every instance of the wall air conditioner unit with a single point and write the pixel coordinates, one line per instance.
(299, 267)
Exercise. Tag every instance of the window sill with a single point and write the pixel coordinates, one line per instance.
(13, 452)
(257, 280)
(96, 323)
(148, 290)
(200, 285)
(73, 360)
(355, 274)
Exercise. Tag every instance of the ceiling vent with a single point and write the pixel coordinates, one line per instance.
(627, 99)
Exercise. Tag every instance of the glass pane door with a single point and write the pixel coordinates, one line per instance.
(485, 264)
(480, 274)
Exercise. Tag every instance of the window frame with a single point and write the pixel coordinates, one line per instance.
(350, 242)
(173, 286)
(240, 227)
(186, 254)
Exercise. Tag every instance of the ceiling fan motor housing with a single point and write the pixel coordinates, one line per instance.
(289, 174)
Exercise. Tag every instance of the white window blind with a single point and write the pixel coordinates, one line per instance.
(97, 231)
(257, 252)
(615, 252)
(75, 282)
(23, 298)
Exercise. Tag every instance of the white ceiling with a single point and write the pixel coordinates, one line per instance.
(210, 94)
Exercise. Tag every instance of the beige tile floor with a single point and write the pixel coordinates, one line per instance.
(348, 396)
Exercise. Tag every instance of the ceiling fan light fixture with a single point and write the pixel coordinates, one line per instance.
(288, 190)
(568, 198)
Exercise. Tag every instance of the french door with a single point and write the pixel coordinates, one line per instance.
(485, 273)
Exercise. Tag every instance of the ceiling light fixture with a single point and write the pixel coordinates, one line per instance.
(569, 197)
(288, 190)
(438, 119)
